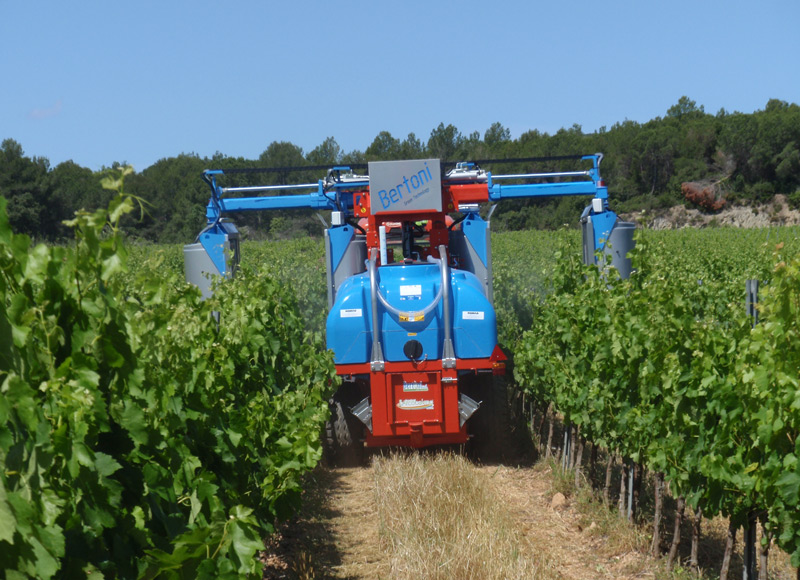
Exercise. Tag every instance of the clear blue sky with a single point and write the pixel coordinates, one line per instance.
(99, 82)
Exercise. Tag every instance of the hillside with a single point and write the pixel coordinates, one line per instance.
(732, 158)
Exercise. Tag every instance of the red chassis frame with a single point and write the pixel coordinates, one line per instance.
(415, 403)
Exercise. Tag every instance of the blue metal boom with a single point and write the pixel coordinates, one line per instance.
(336, 193)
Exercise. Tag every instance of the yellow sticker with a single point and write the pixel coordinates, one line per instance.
(412, 316)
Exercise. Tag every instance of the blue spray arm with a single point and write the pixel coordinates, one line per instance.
(594, 185)
(598, 212)
(218, 205)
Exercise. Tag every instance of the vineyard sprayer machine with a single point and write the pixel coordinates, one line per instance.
(411, 321)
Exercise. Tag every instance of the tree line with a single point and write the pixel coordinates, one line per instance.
(687, 156)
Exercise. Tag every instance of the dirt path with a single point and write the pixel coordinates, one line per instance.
(337, 533)
(576, 549)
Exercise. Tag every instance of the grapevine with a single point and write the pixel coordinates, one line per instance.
(139, 437)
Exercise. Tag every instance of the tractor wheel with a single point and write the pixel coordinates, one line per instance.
(343, 434)
(493, 437)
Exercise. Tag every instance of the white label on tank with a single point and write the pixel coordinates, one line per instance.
(472, 314)
(411, 290)
(415, 404)
(350, 313)
(415, 387)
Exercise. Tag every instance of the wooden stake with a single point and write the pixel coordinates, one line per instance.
(655, 547)
(609, 473)
(622, 489)
(578, 456)
(730, 545)
(696, 522)
(676, 533)
(763, 553)
(545, 415)
(635, 489)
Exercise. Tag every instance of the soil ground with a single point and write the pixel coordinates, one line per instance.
(336, 535)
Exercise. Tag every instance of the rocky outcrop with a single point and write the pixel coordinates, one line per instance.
(775, 213)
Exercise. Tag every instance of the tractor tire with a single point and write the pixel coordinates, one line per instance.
(343, 436)
(494, 439)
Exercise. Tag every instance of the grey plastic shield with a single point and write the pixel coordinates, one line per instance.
(199, 267)
(398, 186)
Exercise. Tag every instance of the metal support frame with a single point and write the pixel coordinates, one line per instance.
(751, 300)
(631, 474)
(377, 361)
(448, 352)
(749, 568)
